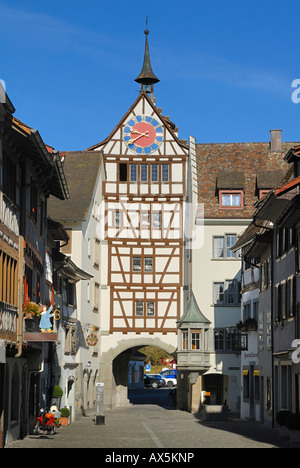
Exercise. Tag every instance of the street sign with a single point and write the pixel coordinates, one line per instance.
(148, 367)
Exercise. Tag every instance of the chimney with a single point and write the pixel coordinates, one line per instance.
(276, 140)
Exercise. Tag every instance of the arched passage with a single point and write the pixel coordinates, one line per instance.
(114, 367)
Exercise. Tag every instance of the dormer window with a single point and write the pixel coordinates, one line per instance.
(231, 199)
(263, 193)
(231, 186)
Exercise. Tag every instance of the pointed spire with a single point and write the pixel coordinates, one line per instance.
(146, 77)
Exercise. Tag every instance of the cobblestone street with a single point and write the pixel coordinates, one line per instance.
(156, 426)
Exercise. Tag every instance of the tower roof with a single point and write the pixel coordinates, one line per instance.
(193, 313)
(147, 77)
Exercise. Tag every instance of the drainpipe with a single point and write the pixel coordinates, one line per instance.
(20, 297)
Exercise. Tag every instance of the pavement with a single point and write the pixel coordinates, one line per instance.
(153, 424)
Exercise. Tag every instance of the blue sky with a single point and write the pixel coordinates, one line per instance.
(225, 66)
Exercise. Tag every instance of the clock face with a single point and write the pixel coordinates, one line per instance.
(143, 134)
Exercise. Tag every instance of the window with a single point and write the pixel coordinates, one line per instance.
(218, 247)
(150, 308)
(123, 172)
(219, 339)
(9, 282)
(117, 218)
(144, 173)
(145, 220)
(139, 309)
(247, 311)
(285, 241)
(231, 199)
(148, 264)
(71, 293)
(265, 274)
(154, 173)
(222, 246)
(232, 292)
(227, 293)
(96, 296)
(70, 339)
(137, 264)
(133, 172)
(156, 220)
(184, 340)
(96, 253)
(285, 300)
(263, 193)
(291, 297)
(196, 339)
(281, 301)
(165, 173)
(218, 293)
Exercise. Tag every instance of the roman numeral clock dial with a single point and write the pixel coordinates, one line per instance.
(143, 134)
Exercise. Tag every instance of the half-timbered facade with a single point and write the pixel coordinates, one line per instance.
(143, 196)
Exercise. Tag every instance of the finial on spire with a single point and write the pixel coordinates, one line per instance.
(146, 77)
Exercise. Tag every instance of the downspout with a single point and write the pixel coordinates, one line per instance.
(20, 297)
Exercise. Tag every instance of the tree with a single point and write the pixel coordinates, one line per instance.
(154, 355)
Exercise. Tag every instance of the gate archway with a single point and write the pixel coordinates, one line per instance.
(114, 366)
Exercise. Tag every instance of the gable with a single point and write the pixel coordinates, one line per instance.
(143, 110)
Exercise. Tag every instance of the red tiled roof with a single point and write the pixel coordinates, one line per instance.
(248, 159)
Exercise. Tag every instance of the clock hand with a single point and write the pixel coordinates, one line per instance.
(137, 132)
(132, 140)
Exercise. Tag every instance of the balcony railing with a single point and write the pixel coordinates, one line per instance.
(8, 321)
(240, 342)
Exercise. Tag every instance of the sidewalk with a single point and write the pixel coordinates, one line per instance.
(151, 426)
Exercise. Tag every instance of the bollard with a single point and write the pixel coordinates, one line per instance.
(99, 414)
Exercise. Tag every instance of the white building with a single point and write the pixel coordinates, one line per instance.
(80, 215)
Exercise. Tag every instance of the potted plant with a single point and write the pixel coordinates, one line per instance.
(57, 393)
(251, 324)
(281, 419)
(31, 310)
(293, 423)
(64, 416)
(240, 326)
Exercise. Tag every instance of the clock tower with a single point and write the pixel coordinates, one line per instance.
(142, 251)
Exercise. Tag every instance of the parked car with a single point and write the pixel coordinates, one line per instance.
(154, 381)
(170, 377)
